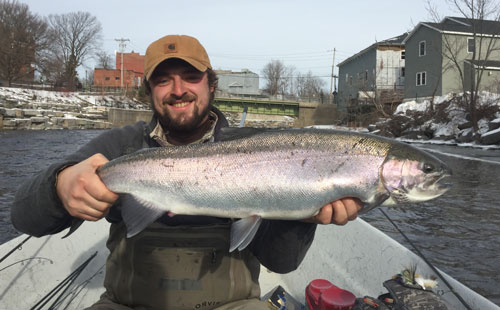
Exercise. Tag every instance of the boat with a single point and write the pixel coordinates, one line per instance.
(67, 273)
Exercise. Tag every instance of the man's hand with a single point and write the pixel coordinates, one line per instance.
(338, 212)
(82, 192)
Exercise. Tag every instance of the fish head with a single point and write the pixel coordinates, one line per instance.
(412, 175)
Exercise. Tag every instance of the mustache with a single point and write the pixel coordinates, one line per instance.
(172, 98)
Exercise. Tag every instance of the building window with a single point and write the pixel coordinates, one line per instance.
(471, 45)
(421, 49)
(107, 78)
(402, 54)
(421, 78)
(366, 75)
(347, 78)
(117, 78)
(402, 71)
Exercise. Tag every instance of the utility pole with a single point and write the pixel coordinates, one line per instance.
(333, 76)
(122, 48)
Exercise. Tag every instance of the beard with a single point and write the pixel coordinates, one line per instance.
(182, 123)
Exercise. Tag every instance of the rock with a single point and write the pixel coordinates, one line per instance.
(465, 136)
(10, 113)
(415, 135)
(29, 113)
(491, 137)
(465, 125)
(444, 138)
(494, 124)
(23, 123)
(69, 123)
(398, 124)
(39, 119)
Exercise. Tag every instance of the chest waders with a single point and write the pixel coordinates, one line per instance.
(182, 267)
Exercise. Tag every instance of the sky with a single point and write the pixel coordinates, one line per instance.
(249, 34)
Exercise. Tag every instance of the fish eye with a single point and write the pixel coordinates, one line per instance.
(428, 168)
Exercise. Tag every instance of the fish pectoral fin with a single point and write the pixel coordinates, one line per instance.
(138, 214)
(243, 231)
(377, 201)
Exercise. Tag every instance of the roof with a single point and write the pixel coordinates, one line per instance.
(487, 64)
(395, 41)
(460, 25)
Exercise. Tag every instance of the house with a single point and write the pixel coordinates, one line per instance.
(374, 75)
(133, 72)
(244, 83)
(449, 56)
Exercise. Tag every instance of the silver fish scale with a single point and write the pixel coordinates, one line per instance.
(283, 175)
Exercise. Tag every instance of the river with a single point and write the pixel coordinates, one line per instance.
(458, 232)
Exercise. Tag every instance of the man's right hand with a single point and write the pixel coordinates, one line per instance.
(82, 192)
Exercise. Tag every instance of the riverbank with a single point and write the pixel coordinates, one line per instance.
(444, 121)
(27, 109)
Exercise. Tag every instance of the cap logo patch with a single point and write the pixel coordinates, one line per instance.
(170, 48)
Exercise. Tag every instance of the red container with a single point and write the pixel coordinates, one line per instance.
(323, 295)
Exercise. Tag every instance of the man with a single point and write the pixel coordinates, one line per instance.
(179, 262)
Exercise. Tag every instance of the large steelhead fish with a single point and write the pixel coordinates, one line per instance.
(280, 174)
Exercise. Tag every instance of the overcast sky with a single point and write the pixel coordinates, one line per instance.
(248, 34)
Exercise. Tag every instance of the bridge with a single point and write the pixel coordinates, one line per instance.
(305, 113)
(256, 106)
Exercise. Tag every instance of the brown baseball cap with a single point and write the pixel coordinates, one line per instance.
(183, 47)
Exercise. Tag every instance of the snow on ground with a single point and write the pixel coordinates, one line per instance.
(69, 98)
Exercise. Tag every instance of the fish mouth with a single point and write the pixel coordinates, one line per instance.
(440, 184)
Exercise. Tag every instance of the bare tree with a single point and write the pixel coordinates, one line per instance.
(76, 37)
(104, 60)
(309, 86)
(279, 78)
(486, 40)
(23, 37)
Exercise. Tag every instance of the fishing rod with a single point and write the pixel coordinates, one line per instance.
(438, 273)
(64, 285)
(17, 247)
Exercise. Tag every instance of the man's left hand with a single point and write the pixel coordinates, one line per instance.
(338, 212)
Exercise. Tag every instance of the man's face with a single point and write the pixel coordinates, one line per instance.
(181, 95)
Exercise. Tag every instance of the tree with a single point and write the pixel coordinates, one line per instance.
(308, 86)
(485, 41)
(278, 77)
(76, 36)
(23, 37)
(104, 60)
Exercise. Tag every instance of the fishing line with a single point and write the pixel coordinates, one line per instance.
(438, 273)
(19, 246)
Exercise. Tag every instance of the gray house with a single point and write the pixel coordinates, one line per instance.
(374, 75)
(445, 57)
(244, 83)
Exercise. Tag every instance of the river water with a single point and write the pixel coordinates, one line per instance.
(458, 232)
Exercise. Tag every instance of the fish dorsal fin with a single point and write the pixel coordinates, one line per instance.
(139, 214)
(243, 231)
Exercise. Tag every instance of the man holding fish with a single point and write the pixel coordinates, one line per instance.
(178, 261)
